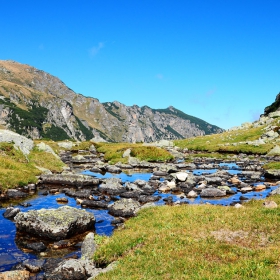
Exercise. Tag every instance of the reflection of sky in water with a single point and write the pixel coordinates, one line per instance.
(10, 254)
(123, 176)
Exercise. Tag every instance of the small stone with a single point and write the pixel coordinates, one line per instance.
(192, 194)
(62, 200)
(11, 212)
(270, 204)
(260, 188)
(238, 205)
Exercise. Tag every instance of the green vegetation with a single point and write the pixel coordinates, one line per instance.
(113, 152)
(208, 128)
(195, 242)
(18, 170)
(227, 142)
(87, 132)
(271, 165)
(110, 107)
(55, 133)
(169, 128)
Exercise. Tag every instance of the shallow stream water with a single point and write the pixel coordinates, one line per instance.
(11, 252)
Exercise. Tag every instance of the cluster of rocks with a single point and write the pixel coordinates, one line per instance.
(60, 269)
(121, 199)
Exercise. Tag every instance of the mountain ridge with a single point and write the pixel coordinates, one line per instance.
(38, 105)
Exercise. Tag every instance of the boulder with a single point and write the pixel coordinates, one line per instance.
(15, 194)
(212, 192)
(95, 204)
(192, 194)
(124, 207)
(112, 186)
(70, 269)
(113, 169)
(11, 212)
(21, 142)
(88, 247)
(56, 224)
(69, 179)
(181, 176)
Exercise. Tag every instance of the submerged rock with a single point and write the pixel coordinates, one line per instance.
(55, 224)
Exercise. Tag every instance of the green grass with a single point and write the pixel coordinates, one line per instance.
(19, 170)
(227, 142)
(271, 165)
(113, 152)
(195, 242)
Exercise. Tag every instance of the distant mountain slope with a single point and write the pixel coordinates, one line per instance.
(39, 105)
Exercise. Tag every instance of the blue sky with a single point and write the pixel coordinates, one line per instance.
(217, 60)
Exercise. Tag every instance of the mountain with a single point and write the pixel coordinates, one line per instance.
(38, 105)
(275, 106)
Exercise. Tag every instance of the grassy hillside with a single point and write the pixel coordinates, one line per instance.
(235, 141)
(195, 242)
(18, 170)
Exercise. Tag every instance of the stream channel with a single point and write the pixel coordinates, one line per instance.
(12, 252)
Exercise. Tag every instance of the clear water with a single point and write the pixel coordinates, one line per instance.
(10, 254)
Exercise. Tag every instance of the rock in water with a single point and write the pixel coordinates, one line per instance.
(124, 207)
(55, 224)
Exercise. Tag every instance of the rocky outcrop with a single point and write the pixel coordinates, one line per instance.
(56, 224)
(20, 142)
(39, 105)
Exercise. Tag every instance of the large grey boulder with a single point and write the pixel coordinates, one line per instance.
(112, 186)
(21, 142)
(125, 207)
(212, 192)
(55, 224)
(69, 179)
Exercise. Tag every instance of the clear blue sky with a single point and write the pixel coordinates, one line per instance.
(217, 60)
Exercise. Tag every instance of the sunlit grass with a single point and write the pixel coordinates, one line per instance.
(113, 152)
(16, 169)
(228, 142)
(183, 243)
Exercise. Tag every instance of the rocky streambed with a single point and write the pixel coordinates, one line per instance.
(46, 228)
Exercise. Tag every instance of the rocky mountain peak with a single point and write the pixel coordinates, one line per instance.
(38, 105)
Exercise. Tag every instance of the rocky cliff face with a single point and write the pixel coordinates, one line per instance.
(275, 106)
(39, 105)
